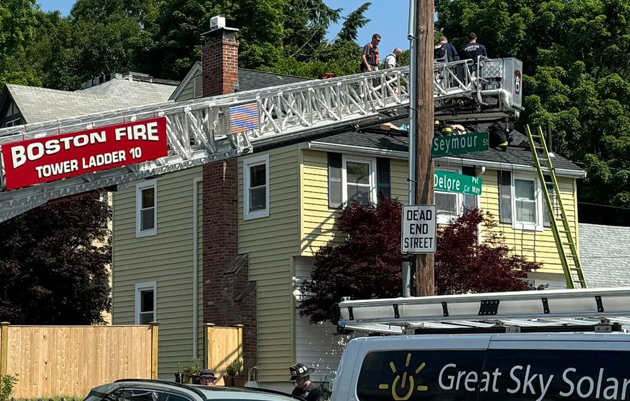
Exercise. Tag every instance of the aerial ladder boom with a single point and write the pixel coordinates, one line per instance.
(201, 131)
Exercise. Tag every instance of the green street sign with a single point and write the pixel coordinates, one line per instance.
(446, 181)
(445, 145)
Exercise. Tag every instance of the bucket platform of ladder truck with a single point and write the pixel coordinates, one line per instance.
(529, 345)
(54, 159)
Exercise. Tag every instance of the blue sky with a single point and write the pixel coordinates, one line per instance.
(390, 18)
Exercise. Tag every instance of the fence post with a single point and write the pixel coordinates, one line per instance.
(154, 349)
(4, 349)
(209, 329)
(239, 333)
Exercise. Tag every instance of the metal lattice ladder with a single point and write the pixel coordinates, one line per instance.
(562, 233)
(200, 131)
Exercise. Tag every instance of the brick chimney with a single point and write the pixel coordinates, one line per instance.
(219, 59)
(229, 297)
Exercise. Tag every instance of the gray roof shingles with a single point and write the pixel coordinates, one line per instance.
(605, 255)
(252, 79)
(41, 104)
(516, 155)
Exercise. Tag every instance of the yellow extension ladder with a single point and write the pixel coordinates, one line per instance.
(565, 242)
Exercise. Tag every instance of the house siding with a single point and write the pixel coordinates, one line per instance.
(317, 220)
(166, 258)
(318, 346)
(271, 243)
(188, 90)
(317, 227)
(538, 246)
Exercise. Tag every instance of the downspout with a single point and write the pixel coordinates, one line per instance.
(195, 290)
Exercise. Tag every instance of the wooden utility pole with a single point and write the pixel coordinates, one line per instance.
(424, 132)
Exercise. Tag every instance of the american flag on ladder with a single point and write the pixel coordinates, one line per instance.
(243, 117)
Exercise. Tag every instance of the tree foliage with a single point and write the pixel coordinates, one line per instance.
(18, 23)
(576, 55)
(464, 266)
(367, 263)
(164, 38)
(51, 270)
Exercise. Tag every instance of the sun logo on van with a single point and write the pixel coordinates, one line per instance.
(405, 382)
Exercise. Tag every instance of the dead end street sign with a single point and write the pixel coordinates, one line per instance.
(418, 229)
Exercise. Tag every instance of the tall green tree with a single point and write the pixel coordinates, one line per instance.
(18, 23)
(576, 55)
(341, 56)
(51, 269)
(305, 27)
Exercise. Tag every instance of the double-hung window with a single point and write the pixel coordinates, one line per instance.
(359, 180)
(146, 208)
(525, 206)
(447, 203)
(256, 187)
(521, 201)
(146, 296)
(356, 178)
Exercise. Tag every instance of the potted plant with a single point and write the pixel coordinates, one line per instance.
(234, 374)
(191, 373)
(179, 377)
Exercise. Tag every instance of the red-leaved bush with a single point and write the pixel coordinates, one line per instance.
(368, 263)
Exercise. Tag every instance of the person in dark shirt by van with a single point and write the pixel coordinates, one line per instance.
(473, 50)
(300, 374)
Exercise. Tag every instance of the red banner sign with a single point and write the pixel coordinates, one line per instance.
(53, 158)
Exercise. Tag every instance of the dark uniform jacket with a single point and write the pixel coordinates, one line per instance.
(448, 50)
(311, 393)
(472, 51)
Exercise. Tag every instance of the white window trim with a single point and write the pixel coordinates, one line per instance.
(344, 176)
(12, 123)
(459, 202)
(247, 164)
(139, 188)
(150, 285)
(538, 226)
(197, 87)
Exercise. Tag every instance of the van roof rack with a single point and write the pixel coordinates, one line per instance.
(600, 310)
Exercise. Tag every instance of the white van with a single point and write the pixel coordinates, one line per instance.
(480, 367)
(515, 366)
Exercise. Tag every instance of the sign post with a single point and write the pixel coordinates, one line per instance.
(419, 229)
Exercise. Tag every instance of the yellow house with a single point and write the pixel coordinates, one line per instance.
(229, 243)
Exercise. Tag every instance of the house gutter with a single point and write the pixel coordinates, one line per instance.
(195, 290)
(454, 161)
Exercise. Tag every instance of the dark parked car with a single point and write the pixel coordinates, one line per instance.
(156, 390)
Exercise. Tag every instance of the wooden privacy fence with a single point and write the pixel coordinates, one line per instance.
(53, 361)
(224, 345)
